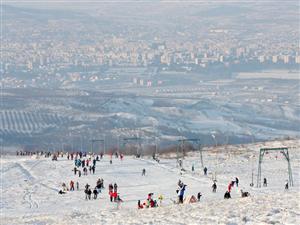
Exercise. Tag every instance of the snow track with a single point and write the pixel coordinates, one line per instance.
(30, 191)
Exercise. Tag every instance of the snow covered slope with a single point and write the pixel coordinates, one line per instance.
(29, 189)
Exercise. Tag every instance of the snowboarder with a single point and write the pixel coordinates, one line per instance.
(214, 187)
(205, 171)
(265, 182)
(144, 172)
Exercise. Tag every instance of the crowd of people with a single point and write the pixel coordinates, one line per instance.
(85, 164)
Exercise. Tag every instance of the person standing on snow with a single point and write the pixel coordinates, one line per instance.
(72, 185)
(214, 187)
(286, 186)
(265, 182)
(229, 187)
(205, 171)
(95, 192)
(199, 196)
(181, 194)
(144, 172)
(237, 182)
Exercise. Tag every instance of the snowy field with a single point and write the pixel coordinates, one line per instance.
(30, 185)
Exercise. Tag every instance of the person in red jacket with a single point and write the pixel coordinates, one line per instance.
(72, 185)
(115, 195)
(229, 187)
(140, 206)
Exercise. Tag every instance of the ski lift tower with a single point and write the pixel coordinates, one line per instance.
(180, 148)
(93, 141)
(285, 152)
(135, 140)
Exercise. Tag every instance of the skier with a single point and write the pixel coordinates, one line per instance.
(90, 169)
(199, 196)
(93, 169)
(144, 172)
(193, 168)
(205, 171)
(72, 185)
(79, 173)
(237, 181)
(286, 186)
(77, 186)
(214, 187)
(265, 182)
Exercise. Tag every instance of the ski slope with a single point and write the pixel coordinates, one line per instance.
(30, 185)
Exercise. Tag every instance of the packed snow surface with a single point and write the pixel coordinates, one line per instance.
(30, 185)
